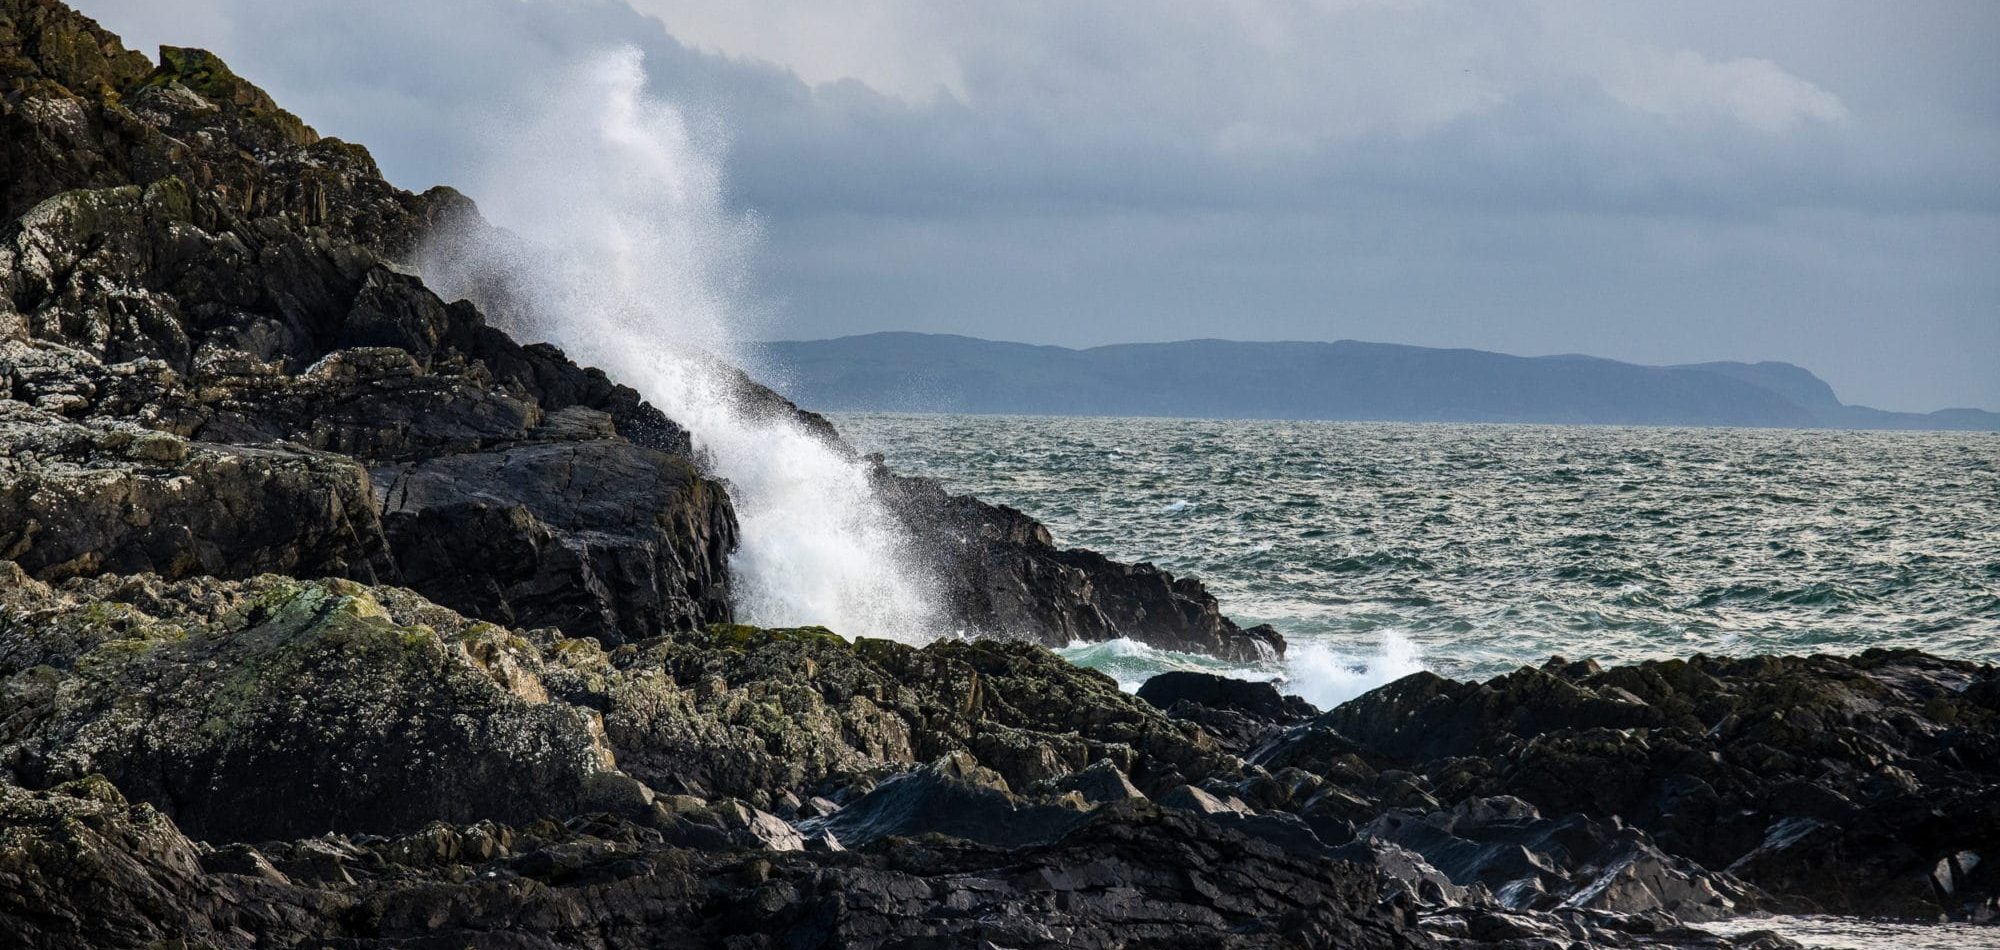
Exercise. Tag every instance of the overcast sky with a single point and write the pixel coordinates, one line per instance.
(1816, 182)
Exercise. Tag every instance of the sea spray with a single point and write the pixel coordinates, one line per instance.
(1327, 677)
(1314, 670)
(619, 246)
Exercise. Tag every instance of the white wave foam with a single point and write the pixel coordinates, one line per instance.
(1327, 677)
(639, 267)
(1324, 676)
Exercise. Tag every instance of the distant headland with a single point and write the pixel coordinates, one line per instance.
(1344, 380)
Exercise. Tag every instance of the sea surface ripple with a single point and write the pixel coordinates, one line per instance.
(1472, 549)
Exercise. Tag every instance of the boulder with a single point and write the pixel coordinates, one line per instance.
(1004, 573)
(599, 537)
(1240, 714)
(1101, 783)
(953, 797)
(81, 499)
(362, 710)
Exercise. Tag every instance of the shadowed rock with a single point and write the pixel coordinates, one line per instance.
(1128, 877)
(1242, 715)
(1834, 783)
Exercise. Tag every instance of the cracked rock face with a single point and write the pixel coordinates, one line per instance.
(81, 499)
(358, 709)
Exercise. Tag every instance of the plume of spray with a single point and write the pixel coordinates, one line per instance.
(619, 247)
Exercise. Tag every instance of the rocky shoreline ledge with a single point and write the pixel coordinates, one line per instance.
(332, 616)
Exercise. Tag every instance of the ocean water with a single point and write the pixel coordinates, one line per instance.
(1379, 549)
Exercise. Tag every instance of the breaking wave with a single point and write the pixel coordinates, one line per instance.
(620, 247)
(1321, 674)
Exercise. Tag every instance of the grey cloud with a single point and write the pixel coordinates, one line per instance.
(1655, 182)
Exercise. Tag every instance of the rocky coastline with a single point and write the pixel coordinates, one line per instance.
(333, 616)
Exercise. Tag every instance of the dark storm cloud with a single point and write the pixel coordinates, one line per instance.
(1811, 181)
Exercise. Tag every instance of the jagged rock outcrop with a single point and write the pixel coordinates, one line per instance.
(1860, 785)
(191, 258)
(1240, 715)
(223, 277)
(79, 866)
(1004, 574)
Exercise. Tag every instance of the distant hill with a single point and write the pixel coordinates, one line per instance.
(918, 372)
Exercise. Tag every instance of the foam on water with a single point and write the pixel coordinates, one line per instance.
(624, 252)
(1327, 677)
(1321, 674)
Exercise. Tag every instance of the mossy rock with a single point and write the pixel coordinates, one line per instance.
(737, 636)
(208, 76)
(331, 697)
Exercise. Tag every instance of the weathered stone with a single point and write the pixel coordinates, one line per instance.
(1832, 783)
(357, 709)
(1121, 879)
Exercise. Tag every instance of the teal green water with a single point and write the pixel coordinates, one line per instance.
(1379, 548)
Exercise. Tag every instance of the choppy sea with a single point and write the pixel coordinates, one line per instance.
(1379, 549)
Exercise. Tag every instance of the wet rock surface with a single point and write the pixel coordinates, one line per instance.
(1240, 715)
(1857, 785)
(1004, 572)
(1121, 879)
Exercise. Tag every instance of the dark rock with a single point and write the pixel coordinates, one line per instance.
(1641, 879)
(1835, 784)
(746, 711)
(1004, 573)
(1426, 884)
(953, 797)
(1220, 692)
(1102, 782)
(371, 710)
(599, 538)
(760, 829)
(79, 499)
(358, 709)
(101, 873)
(1241, 715)
(242, 859)
(1190, 798)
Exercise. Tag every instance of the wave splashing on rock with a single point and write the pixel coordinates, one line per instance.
(1321, 673)
(619, 246)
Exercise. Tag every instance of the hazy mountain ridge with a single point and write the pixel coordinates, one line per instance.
(1345, 380)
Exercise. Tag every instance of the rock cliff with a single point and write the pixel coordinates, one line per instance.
(191, 260)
